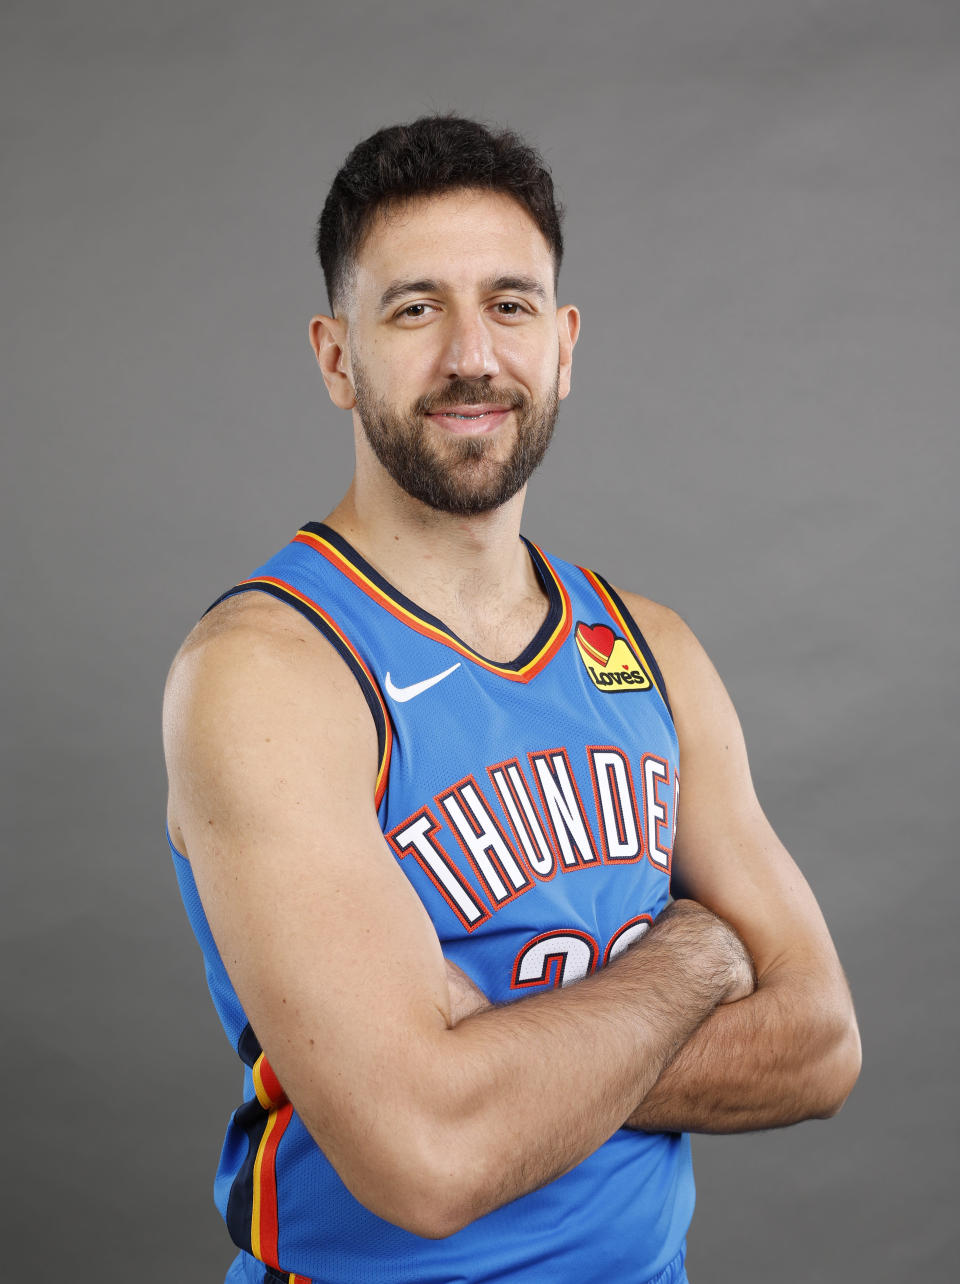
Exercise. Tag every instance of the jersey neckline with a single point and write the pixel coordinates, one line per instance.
(549, 637)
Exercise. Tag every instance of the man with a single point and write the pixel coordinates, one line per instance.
(424, 787)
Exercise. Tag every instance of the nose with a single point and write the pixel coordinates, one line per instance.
(469, 350)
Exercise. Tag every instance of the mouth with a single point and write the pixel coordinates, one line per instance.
(467, 419)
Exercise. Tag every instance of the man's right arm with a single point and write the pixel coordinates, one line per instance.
(272, 757)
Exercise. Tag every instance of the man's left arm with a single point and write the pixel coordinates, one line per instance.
(791, 1050)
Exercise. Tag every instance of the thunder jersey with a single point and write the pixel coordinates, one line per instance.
(532, 805)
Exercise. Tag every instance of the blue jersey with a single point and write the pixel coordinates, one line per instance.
(532, 805)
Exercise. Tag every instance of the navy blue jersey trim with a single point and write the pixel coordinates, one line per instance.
(248, 1046)
(640, 640)
(251, 1119)
(369, 692)
(529, 653)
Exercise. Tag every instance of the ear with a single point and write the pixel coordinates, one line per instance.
(568, 331)
(328, 338)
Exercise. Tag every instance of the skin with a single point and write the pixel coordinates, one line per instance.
(791, 1051)
(472, 572)
(395, 1062)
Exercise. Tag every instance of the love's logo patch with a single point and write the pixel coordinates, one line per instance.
(610, 660)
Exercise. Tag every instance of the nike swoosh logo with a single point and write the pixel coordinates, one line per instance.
(417, 688)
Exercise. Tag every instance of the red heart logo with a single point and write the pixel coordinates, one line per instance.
(598, 640)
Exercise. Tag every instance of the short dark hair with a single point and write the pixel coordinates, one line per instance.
(434, 154)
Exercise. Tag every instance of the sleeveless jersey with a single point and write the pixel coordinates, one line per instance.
(532, 805)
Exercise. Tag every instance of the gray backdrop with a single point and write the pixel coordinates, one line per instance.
(762, 229)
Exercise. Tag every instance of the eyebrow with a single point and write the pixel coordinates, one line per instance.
(520, 284)
(397, 289)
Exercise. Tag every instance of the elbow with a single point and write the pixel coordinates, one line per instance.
(437, 1220)
(431, 1207)
(425, 1205)
(450, 1194)
(427, 1186)
(420, 1159)
(429, 1219)
(841, 1069)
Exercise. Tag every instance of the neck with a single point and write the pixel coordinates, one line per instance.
(423, 552)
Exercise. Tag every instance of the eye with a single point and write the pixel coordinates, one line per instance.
(413, 312)
(513, 310)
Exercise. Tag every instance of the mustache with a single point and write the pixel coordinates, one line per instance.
(469, 392)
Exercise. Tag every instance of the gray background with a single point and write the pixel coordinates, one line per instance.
(762, 233)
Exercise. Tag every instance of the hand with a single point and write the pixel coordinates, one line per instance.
(732, 955)
(465, 997)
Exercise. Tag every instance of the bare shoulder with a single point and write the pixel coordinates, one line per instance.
(247, 624)
(254, 672)
(713, 754)
(659, 623)
(247, 644)
(686, 667)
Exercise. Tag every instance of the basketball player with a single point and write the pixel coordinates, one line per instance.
(431, 792)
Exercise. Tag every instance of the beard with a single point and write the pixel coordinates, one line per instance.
(462, 476)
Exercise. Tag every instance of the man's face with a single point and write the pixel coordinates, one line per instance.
(457, 354)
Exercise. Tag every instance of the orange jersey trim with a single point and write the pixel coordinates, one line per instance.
(267, 1086)
(616, 615)
(264, 1228)
(439, 634)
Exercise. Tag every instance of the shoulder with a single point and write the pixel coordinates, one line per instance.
(664, 629)
(249, 624)
(248, 642)
(255, 672)
(676, 648)
(702, 708)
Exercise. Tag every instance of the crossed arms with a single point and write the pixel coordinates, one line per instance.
(395, 1064)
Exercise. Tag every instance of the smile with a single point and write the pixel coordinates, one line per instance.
(453, 414)
(464, 418)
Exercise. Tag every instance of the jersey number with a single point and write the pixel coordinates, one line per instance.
(563, 957)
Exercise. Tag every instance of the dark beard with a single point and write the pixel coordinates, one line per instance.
(463, 479)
